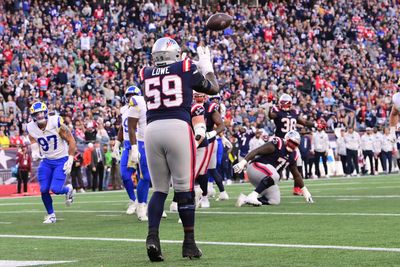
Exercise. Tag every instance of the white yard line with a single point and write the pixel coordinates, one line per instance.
(5, 222)
(238, 244)
(244, 213)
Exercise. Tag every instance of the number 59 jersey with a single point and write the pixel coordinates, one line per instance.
(285, 121)
(168, 90)
(52, 146)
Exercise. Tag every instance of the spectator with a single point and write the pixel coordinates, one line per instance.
(16, 140)
(352, 140)
(388, 149)
(97, 165)
(305, 148)
(341, 151)
(114, 171)
(24, 162)
(320, 147)
(4, 140)
(256, 141)
(87, 162)
(76, 173)
(367, 147)
(377, 143)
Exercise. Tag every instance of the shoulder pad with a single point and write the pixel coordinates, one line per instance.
(197, 110)
(186, 64)
(212, 107)
(133, 102)
(276, 141)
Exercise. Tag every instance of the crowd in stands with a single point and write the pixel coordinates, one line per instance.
(339, 60)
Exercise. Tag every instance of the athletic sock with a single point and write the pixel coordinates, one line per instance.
(218, 179)
(48, 202)
(203, 182)
(155, 209)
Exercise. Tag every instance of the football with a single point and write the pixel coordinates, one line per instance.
(219, 21)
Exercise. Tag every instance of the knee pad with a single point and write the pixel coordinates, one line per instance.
(185, 200)
(268, 181)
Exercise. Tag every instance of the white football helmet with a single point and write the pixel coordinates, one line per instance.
(285, 102)
(165, 51)
(292, 140)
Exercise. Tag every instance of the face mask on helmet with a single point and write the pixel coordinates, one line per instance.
(39, 117)
(285, 105)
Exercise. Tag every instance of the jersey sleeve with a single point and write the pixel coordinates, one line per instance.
(197, 110)
(213, 108)
(57, 121)
(133, 109)
(199, 83)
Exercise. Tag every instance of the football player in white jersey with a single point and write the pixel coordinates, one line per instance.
(56, 144)
(127, 163)
(394, 116)
(137, 126)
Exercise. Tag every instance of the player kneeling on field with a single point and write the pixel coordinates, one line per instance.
(263, 167)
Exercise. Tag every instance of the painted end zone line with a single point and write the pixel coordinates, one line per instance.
(240, 244)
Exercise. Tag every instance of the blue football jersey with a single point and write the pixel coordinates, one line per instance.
(285, 121)
(210, 108)
(199, 110)
(281, 158)
(168, 90)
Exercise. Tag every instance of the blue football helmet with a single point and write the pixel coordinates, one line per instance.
(131, 91)
(39, 112)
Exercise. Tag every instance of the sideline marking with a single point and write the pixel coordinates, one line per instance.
(240, 244)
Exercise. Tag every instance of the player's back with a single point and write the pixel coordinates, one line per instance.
(285, 121)
(168, 90)
(281, 157)
(50, 142)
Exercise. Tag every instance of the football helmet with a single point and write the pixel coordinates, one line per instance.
(215, 98)
(130, 91)
(292, 140)
(285, 102)
(165, 51)
(39, 112)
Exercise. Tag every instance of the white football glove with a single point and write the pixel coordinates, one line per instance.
(204, 63)
(211, 134)
(226, 142)
(199, 131)
(239, 167)
(307, 195)
(134, 154)
(68, 165)
(116, 151)
(35, 152)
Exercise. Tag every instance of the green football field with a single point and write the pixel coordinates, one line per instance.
(353, 222)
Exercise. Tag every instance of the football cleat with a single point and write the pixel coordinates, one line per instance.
(164, 215)
(297, 191)
(173, 207)
(179, 221)
(252, 199)
(197, 195)
(223, 196)
(131, 207)
(141, 212)
(210, 190)
(50, 218)
(241, 200)
(81, 190)
(204, 202)
(69, 197)
(190, 250)
(154, 248)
